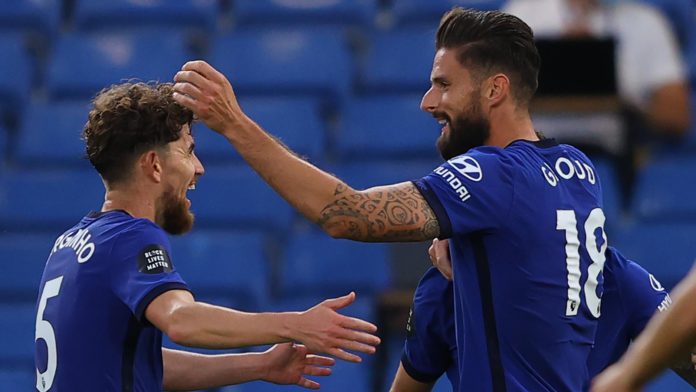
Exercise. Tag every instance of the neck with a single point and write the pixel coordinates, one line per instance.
(133, 201)
(511, 126)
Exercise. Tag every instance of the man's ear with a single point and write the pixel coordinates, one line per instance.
(497, 89)
(151, 165)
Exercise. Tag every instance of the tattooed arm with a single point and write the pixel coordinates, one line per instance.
(387, 213)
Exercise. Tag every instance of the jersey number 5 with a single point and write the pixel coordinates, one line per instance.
(44, 330)
(566, 221)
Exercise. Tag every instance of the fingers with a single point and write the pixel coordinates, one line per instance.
(186, 101)
(204, 69)
(316, 371)
(344, 355)
(318, 360)
(361, 337)
(353, 345)
(309, 384)
(359, 325)
(340, 302)
(188, 89)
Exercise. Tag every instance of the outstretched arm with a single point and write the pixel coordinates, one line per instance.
(387, 213)
(662, 341)
(321, 328)
(281, 364)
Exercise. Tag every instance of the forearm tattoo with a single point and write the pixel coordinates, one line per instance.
(392, 213)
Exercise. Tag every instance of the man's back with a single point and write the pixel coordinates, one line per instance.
(91, 330)
(525, 228)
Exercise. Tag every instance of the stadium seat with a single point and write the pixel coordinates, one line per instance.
(668, 382)
(15, 80)
(285, 62)
(316, 264)
(399, 62)
(234, 197)
(665, 189)
(50, 134)
(667, 250)
(365, 174)
(24, 256)
(3, 147)
(20, 378)
(296, 122)
(17, 323)
(82, 65)
(387, 127)
(279, 12)
(410, 12)
(226, 268)
(40, 16)
(90, 15)
(48, 200)
(610, 191)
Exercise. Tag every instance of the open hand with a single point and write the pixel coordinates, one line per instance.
(322, 329)
(290, 363)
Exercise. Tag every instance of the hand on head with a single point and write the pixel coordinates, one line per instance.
(208, 93)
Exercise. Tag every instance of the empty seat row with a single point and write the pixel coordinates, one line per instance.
(46, 16)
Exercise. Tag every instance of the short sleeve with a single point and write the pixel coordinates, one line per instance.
(430, 329)
(642, 294)
(471, 192)
(142, 267)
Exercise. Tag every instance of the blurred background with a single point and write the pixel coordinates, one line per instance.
(340, 82)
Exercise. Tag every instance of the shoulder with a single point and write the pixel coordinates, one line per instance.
(630, 276)
(137, 233)
(479, 162)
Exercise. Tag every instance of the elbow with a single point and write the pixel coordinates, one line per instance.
(338, 230)
(179, 329)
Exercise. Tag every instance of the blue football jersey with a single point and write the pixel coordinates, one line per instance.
(91, 333)
(527, 244)
(430, 348)
(631, 297)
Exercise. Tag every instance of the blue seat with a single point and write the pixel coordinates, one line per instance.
(363, 175)
(429, 12)
(275, 12)
(20, 378)
(3, 147)
(48, 200)
(119, 14)
(387, 127)
(296, 122)
(50, 134)
(15, 80)
(285, 62)
(24, 257)
(611, 194)
(316, 264)
(235, 197)
(41, 16)
(17, 323)
(399, 62)
(664, 190)
(668, 382)
(82, 65)
(227, 268)
(667, 250)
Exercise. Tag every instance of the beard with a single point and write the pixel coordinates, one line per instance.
(173, 216)
(466, 131)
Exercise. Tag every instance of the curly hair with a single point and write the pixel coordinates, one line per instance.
(128, 119)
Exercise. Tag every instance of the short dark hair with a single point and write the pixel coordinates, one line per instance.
(493, 41)
(128, 119)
